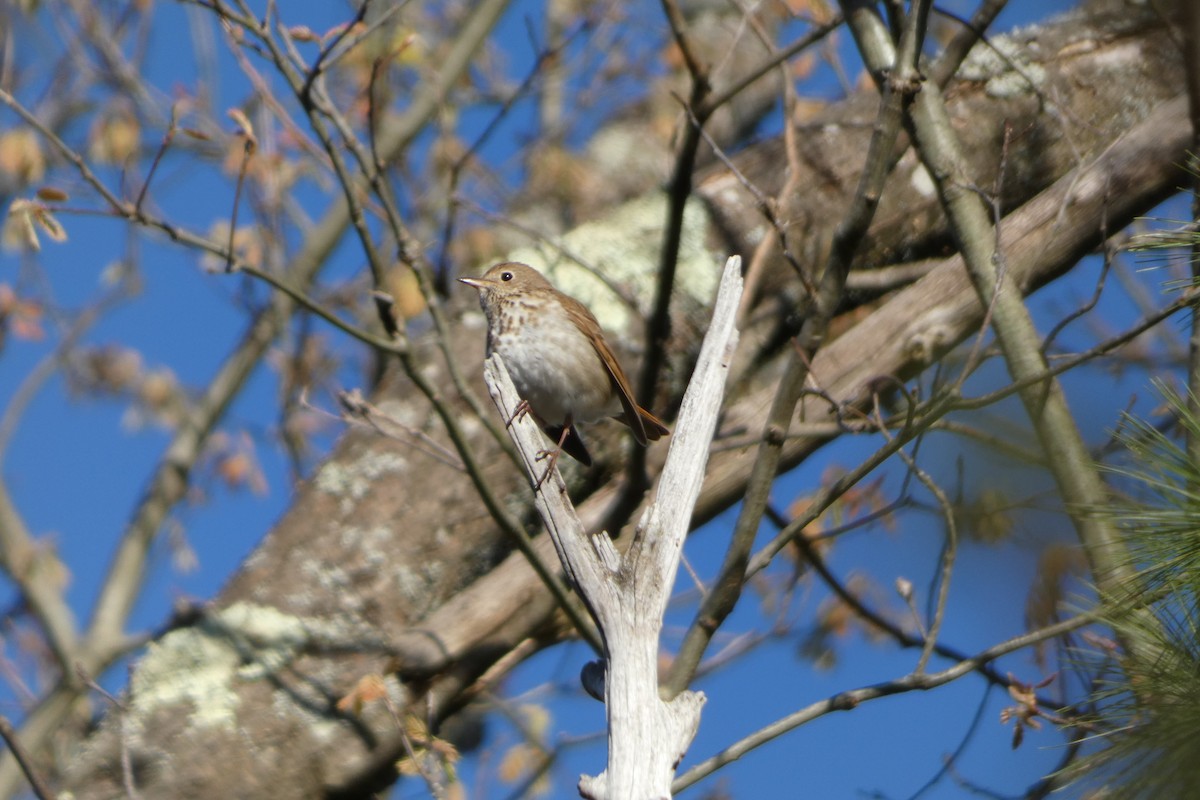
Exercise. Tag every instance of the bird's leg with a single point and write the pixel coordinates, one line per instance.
(553, 455)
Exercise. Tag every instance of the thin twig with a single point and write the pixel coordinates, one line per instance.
(697, 70)
(1087, 307)
(158, 154)
(248, 148)
(358, 409)
(36, 781)
(122, 710)
(848, 700)
(949, 552)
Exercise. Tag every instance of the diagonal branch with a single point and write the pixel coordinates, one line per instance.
(30, 568)
(28, 768)
(848, 700)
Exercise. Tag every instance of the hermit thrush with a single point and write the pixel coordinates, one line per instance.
(559, 361)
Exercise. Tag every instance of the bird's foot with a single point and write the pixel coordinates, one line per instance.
(521, 410)
(551, 456)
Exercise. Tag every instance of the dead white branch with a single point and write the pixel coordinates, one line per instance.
(627, 595)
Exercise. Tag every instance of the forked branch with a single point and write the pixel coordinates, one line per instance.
(627, 593)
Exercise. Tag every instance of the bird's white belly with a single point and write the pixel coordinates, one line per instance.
(542, 370)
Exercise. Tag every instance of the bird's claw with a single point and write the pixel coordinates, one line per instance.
(542, 455)
(521, 410)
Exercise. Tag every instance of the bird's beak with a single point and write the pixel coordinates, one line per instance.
(474, 283)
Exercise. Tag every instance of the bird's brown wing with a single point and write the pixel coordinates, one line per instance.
(634, 415)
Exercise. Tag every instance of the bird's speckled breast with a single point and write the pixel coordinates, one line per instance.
(553, 365)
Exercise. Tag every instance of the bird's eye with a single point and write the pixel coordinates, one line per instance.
(506, 276)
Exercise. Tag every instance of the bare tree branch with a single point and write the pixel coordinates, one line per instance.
(849, 700)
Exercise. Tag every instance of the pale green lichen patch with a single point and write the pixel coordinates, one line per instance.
(267, 638)
(188, 666)
(1005, 67)
(415, 583)
(200, 665)
(351, 480)
(330, 577)
(624, 247)
(365, 540)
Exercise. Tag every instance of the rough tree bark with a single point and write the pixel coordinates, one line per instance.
(384, 560)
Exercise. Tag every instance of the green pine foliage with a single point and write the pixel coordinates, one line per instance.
(1143, 720)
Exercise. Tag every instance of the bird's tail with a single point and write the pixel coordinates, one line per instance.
(655, 428)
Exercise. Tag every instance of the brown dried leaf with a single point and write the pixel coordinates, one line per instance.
(515, 763)
(407, 48)
(804, 64)
(243, 123)
(115, 137)
(27, 323)
(408, 768)
(1057, 566)
(426, 746)
(406, 291)
(247, 246)
(21, 155)
(47, 222)
(835, 617)
(370, 687)
(332, 32)
(520, 760)
(24, 317)
(237, 465)
(799, 508)
(817, 648)
(52, 195)
(987, 518)
(234, 469)
(671, 56)
(806, 109)
(303, 33)
(114, 369)
(863, 499)
(537, 719)
(159, 389)
(819, 11)
(19, 232)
